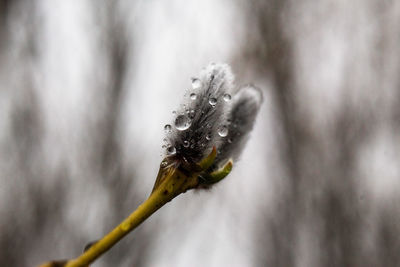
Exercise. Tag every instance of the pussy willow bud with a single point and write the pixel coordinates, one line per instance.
(193, 131)
(211, 118)
(240, 121)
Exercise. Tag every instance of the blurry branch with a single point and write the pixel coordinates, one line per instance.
(271, 51)
(307, 154)
(4, 10)
(117, 53)
(117, 178)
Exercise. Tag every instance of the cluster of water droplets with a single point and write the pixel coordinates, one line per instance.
(184, 121)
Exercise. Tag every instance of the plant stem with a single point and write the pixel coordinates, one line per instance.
(174, 182)
(138, 216)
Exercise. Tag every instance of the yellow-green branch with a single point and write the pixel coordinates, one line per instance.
(171, 182)
(174, 183)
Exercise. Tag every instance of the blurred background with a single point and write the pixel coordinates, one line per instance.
(86, 87)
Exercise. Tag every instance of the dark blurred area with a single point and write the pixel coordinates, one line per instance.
(86, 87)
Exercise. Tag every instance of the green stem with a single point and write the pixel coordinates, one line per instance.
(173, 184)
(170, 182)
(148, 207)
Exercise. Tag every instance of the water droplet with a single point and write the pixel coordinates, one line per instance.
(186, 143)
(196, 83)
(164, 163)
(223, 131)
(191, 113)
(227, 97)
(167, 128)
(182, 122)
(208, 136)
(193, 96)
(171, 150)
(212, 101)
